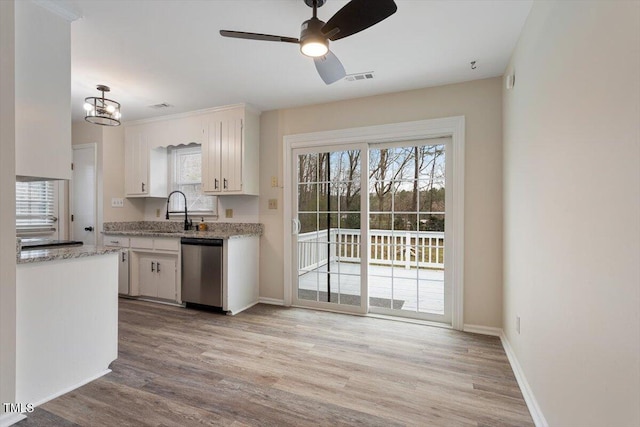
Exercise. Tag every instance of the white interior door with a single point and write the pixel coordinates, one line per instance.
(83, 194)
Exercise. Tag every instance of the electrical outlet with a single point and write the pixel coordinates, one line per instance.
(157, 213)
(273, 203)
(518, 324)
(228, 213)
(274, 181)
(117, 202)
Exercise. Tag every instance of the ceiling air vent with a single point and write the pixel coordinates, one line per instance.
(160, 106)
(359, 76)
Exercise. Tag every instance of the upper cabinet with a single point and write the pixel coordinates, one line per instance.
(43, 92)
(230, 163)
(229, 137)
(145, 165)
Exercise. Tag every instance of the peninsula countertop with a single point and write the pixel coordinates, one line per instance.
(42, 255)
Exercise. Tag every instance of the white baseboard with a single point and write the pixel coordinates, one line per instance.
(536, 413)
(272, 301)
(73, 387)
(484, 330)
(10, 418)
(233, 313)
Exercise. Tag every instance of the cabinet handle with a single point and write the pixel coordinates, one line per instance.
(152, 266)
(225, 183)
(143, 187)
(216, 184)
(123, 260)
(158, 267)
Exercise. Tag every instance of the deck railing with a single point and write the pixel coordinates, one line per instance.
(408, 249)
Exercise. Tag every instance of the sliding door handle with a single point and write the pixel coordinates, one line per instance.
(295, 226)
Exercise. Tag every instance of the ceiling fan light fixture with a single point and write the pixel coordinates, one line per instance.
(101, 110)
(314, 48)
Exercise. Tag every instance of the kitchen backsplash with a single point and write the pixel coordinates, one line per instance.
(179, 225)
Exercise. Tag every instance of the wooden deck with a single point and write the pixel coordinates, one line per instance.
(275, 366)
(415, 290)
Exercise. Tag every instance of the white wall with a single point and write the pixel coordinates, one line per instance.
(572, 211)
(480, 102)
(110, 150)
(7, 205)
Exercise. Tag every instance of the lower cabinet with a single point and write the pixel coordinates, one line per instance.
(123, 263)
(158, 276)
(155, 268)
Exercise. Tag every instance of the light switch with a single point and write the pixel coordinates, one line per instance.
(274, 181)
(228, 213)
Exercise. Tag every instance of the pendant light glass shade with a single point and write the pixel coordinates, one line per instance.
(101, 110)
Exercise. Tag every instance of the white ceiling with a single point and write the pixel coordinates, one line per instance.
(151, 52)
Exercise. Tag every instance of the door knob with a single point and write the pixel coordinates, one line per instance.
(89, 228)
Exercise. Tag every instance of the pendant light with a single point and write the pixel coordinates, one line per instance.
(101, 110)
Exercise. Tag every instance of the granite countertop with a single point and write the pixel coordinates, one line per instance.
(215, 234)
(175, 229)
(53, 254)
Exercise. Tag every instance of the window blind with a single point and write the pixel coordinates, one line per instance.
(35, 206)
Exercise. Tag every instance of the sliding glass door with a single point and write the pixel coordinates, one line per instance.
(329, 220)
(370, 228)
(407, 211)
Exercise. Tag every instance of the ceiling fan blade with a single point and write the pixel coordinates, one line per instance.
(330, 68)
(358, 15)
(256, 36)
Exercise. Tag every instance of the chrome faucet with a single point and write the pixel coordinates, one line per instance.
(187, 222)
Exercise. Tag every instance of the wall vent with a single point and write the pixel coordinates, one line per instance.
(161, 105)
(359, 76)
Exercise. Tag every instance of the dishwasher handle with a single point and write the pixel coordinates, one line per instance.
(201, 242)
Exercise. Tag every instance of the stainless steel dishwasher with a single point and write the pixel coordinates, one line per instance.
(202, 271)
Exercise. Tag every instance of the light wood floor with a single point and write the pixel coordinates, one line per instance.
(273, 366)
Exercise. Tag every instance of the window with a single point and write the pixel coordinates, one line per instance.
(36, 206)
(185, 172)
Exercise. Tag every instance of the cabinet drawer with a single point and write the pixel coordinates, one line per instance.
(167, 244)
(122, 242)
(141, 243)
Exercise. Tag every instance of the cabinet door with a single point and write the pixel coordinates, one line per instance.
(148, 276)
(136, 162)
(166, 268)
(211, 153)
(123, 273)
(232, 153)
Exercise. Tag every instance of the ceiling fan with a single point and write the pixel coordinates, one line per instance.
(355, 16)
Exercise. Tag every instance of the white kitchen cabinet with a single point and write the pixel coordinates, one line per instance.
(158, 276)
(185, 130)
(145, 164)
(123, 263)
(154, 267)
(240, 273)
(147, 276)
(42, 92)
(230, 152)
